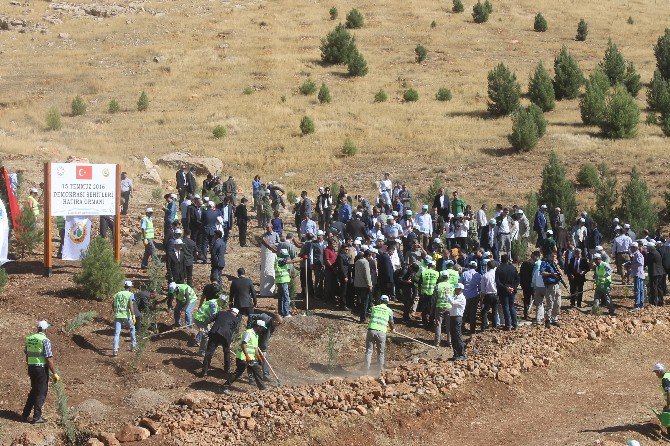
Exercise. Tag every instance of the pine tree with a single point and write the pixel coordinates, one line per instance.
(621, 115)
(504, 91)
(143, 102)
(524, 135)
(613, 64)
(357, 65)
(457, 6)
(538, 117)
(582, 30)
(568, 76)
(540, 24)
(636, 205)
(324, 95)
(606, 199)
(338, 46)
(632, 80)
(556, 190)
(662, 53)
(541, 90)
(101, 276)
(658, 95)
(592, 104)
(480, 12)
(354, 19)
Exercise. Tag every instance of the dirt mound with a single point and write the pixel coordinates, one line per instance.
(92, 408)
(145, 399)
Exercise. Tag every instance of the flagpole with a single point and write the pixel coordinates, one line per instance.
(48, 261)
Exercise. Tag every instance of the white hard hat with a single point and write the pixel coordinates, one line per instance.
(34, 190)
(359, 214)
(394, 213)
(178, 231)
(459, 286)
(260, 323)
(599, 248)
(581, 220)
(205, 199)
(634, 245)
(196, 196)
(364, 247)
(584, 213)
(297, 200)
(43, 325)
(211, 204)
(626, 226)
(149, 210)
(381, 237)
(659, 367)
(597, 256)
(128, 283)
(178, 242)
(425, 206)
(444, 273)
(550, 232)
(320, 232)
(235, 311)
(492, 221)
(437, 240)
(172, 286)
(357, 242)
(173, 196)
(384, 298)
(408, 212)
(632, 443)
(472, 263)
(459, 215)
(544, 206)
(616, 220)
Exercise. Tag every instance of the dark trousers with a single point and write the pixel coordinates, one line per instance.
(509, 310)
(216, 274)
(527, 299)
(490, 303)
(470, 314)
(656, 290)
(462, 242)
(255, 369)
(125, 201)
(363, 295)
(576, 292)
(407, 302)
(215, 341)
(424, 306)
(188, 274)
(330, 284)
(456, 332)
(343, 293)
(105, 225)
(39, 385)
(200, 243)
(243, 234)
(61, 235)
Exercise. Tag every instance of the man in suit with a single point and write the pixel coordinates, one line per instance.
(182, 182)
(191, 184)
(441, 202)
(231, 190)
(665, 258)
(242, 220)
(188, 251)
(654, 262)
(194, 226)
(489, 239)
(576, 268)
(242, 293)
(355, 227)
(208, 222)
(385, 278)
(227, 212)
(540, 224)
(218, 258)
(176, 263)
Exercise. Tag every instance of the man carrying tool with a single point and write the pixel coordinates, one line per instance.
(202, 317)
(248, 355)
(224, 327)
(186, 299)
(272, 321)
(441, 307)
(381, 318)
(602, 275)
(40, 362)
(124, 312)
(659, 370)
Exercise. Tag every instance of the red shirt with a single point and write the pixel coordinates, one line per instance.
(330, 257)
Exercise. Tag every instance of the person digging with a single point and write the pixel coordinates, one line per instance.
(659, 370)
(247, 357)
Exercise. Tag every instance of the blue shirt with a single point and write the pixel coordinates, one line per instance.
(548, 267)
(256, 186)
(277, 225)
(471, 281)
(307, 226)
(345, 213)
(170, 212)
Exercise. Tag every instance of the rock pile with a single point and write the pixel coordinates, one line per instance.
(98, 10)
(23, 26)
(203, 164)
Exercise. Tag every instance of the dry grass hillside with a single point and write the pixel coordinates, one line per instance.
(194, 59)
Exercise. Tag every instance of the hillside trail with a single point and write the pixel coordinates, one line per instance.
(596, 393)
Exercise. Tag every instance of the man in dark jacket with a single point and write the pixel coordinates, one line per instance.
(526, 281)
(218, 258)
(176, 263)
(189, 251)
(355, 227)
(441, 202)
(182, 182)
(242, 220)
(385, 274)
(194, 225)
(665, 256)
(507, 281)
(655, 269)
(576, 268)
(540, 224)
(209, 221)
(242, 293)
(191, 184)
(221, 334)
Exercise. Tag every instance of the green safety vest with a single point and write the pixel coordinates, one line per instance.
(34, 205)
(122, 304)
(35, 349)
(603, 278)
(379, 318)
(149, 229)
(282, 272)
(184, 293)
(252, 345)
(453, 277)
(444, 289)
(203, 314)
(428, 280)
(665, 376)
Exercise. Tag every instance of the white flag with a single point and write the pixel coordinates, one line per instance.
(4, 234)
(77, 237)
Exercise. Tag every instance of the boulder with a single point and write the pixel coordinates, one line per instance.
(152, 175)
(153, 426)
(108, 439)
(195, 400)
(130, 433)
(203, 164)
(93, 442)
(34, 439)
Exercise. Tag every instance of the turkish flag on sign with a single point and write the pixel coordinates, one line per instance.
(84, 173)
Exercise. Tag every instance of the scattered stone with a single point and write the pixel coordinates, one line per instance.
(195, 400)
(63, 35)
(130, 433)
(108, 439)
(93, 442)
(34, 439)
(154, 427)
(151, 175)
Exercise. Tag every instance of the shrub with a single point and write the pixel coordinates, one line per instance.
(613, 64)
(80, 320)
(357, 65)
(4, 279)
(519, 249)
(338, 46)
(662, 53)
(155, 275)
(143, 102)
(480, 13)
(524, 135)
(540, 24)
(157, 193)
(592, 104)
(410, 95)
(66, 421)
(582, 30)
(114, 106)
(333, 13)
(282, 99)
(354, 19)
(632, 80)
(421, 53)
(588, 175)
(78, 106)
(219, 132)
(665, 125)
(29, 235)
(630, 20)
(433, 24)
(291, 196)
(556, 190)
(248, 90)
(504, 91)
(306, 125)
(349, 148)
(541, 90)
(658, 95)
(489, 6)
(621, 115)
(540, 120)
(568, 76)
(606, 199)
(308, 87)
(457, 6)
(443, 94)
(651, 119)
(637, 207)
(324, 95)
(101, 276)
(381, 96)
(53, 119)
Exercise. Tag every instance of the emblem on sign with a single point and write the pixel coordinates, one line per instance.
(105, 173)
(78, 232)
(60, 171)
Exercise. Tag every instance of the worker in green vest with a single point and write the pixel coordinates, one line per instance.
(32, 202)
(283, 264)
(441, 306)
(381, 318)
(602, 274)
(123, 305)
(204, 314)
(40, 362)
(148, 236)
(248, 356)
(427, 281)
(186, 300)
(452, 272)
(664, 376)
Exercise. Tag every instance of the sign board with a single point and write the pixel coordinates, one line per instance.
(83, 189)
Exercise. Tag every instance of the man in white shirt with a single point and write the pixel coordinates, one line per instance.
(126, 192)
(489, 292)
(482, 219)
(620, 253)
(424, 223)
(385, 189)
(504, 234)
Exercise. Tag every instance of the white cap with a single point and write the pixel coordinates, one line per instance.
(178, 242)
(459, 215)
(205, 199)
(394, 213)
(283, 252)
(43, 325)
(297, 200)
(364, 247)
(597, 256)
(616, 220)
(581, 220)
(437, 240)
(359, 214)
(34, 190)
(599, 248)
(384, 298)
(459, 286)
(519, 211)
(444, 273)
(408, 212)
(472, 263)
(173, 195)
(487, 253)
(172, 286)
(450, 215)
(544, 206)
(425, 207)
(493, 221)
(626, 226)
(633, 245)
(584, 213)
(659, 367)
(374, 250)
(128, 283)
(320, 232)
(550, 232)
(178, 231)
(357, 242)
(149, 210)
(260, 323)
(196, 196)
(558, 209)
(211, 204)
(617, 227)
(449, 262)
(235, 311)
